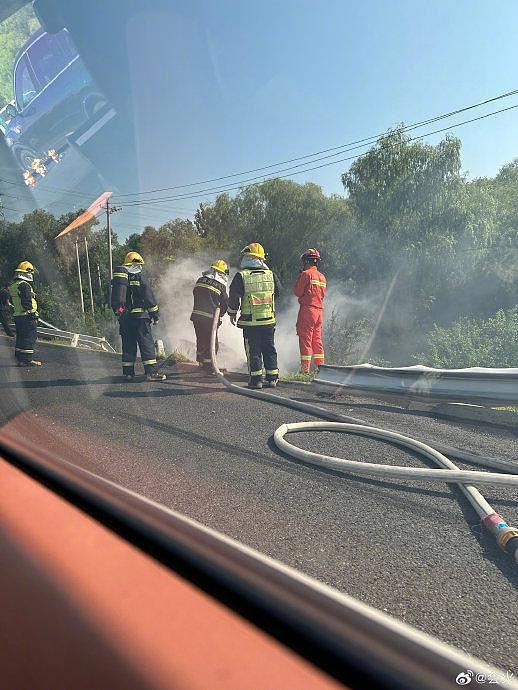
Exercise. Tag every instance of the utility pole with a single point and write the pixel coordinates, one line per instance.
(110, 210)
(89, 276)
(79, 278)
(100, 283)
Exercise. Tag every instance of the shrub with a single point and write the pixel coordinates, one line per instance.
(472, 342)
(345, 338)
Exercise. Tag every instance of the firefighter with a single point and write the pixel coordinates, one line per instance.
(253, 291)
(25, 310)
(310, 288)
(6, 309)
(209, 293)
(134, 303)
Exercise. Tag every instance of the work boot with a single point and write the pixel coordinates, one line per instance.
(32, 363)
(129, 377)
(272, 383)
(156, 377)
(255, 385)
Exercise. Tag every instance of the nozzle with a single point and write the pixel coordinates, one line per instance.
(508, 542)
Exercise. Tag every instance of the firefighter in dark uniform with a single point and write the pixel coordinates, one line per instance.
(26, 315)
(6, 311)
(210, 292)
(134, 303)
(253, 290)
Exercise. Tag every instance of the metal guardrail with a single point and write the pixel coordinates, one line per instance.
(487, 387)
(76, 339)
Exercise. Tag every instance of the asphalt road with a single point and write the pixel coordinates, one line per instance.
(413, 550)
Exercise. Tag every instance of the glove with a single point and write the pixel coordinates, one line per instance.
(120, 310)
(155, 319)
(233, 319)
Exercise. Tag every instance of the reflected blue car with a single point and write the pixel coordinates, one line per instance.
(54, 96)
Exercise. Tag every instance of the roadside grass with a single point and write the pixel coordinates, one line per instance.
(298, 377)
(178, 355)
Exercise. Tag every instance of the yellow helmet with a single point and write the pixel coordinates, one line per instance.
(26, 267)
(133, 258)
(254, 249)
(220, 266)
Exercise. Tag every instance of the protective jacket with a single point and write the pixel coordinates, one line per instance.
(22, 298)
(254, 290)
(310, 288)
(133, 293)
(209, 293)
(25, 308)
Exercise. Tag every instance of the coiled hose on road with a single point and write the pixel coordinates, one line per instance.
(505, 535)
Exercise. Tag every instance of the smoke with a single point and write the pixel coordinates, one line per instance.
(175, 299)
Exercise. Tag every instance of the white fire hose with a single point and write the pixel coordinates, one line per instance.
(505, 535)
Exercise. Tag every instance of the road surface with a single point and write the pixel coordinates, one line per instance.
(413, 550)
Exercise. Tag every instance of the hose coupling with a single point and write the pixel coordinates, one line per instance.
(505, 537)
(494, 523)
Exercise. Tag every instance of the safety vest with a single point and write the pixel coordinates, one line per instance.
(16, 301)
(258, 302)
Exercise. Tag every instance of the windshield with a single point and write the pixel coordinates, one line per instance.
(314, 201)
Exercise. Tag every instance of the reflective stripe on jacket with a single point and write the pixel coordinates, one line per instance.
(310, 288)
(133, 292)
(23, 298)
(209, 294)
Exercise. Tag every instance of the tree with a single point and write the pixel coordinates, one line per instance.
(216, 222)
(173, 239)
(287, 218)
(421, 224)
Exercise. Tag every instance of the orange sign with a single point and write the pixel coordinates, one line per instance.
(87, 215)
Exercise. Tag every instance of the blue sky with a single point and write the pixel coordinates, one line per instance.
(248, 83)
(228, 85)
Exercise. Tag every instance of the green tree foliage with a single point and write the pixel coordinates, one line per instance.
(172, 240)
(57, 284)
(422, 253)
(216, 222)
(287, 218)
(14, 31)
(474, 342)
(420, 222)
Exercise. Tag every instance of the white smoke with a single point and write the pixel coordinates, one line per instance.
(176, 301)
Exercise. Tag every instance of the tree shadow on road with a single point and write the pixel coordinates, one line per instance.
(65, 383)
(278, 460)
(164, 392)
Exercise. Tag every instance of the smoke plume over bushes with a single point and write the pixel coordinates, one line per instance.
(346, 331)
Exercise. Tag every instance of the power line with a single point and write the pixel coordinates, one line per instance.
(340, 148)
(42, 188)
(360, 143)
(226, 188)
(86, 194)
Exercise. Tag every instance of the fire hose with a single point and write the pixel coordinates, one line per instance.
(505, 535)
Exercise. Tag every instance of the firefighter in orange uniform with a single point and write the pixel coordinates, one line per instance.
(310, 288)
